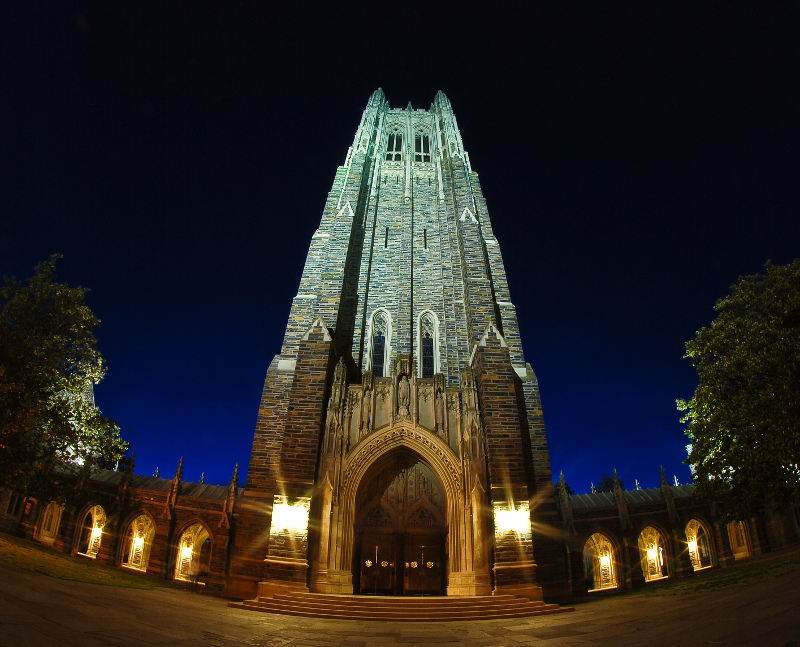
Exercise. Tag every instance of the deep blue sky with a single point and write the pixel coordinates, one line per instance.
(636, 160)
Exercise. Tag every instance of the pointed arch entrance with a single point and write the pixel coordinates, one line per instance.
(334, 569)
(400, 528)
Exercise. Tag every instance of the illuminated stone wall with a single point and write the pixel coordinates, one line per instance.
(405, 232)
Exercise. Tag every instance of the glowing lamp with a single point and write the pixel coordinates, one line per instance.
(692, 546)
(96, 532)
(138, 542)
(605, 561)
(290, 518)
(651, 554)
(518, 521)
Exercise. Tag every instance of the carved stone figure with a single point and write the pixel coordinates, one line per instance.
(403, 397)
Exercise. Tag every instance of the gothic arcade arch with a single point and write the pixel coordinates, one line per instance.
(599, 563)
(193, 552)
(138, 541)
(699, 542)
(653, 554)
(90, 531)
(372, 451)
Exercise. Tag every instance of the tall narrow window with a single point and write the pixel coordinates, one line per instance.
(394, 148)
(425, 238)
(422, 148)
(378, 351)
(379, 338)
(427, 344)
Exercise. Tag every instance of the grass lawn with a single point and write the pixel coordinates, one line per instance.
(34, 557)
(718, 579)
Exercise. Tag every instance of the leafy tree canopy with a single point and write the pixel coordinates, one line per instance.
(606, 484)
(49, 363)
(744, 418)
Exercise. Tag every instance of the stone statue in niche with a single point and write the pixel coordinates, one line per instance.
(403, 397)
(366, 411)
(440, 411)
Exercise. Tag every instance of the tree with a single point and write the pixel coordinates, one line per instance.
(606, 484)
(744, 418)
(50, 429)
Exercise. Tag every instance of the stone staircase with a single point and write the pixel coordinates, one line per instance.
(400, 609)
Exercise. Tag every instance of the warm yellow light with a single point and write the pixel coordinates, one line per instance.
(518, 521)
(692, 546)
(185, 551)
(651, 554)
(96, 532)
(289, 518)
(605, 560)
(138, 542)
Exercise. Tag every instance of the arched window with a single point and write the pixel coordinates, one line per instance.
(51, 520)
(194, 553)
(92, 531)
(740, 539)
(138, 543)
(380, 332)
(699, 550)
(428, 344)
(598, 563)
(651, 553)
(422, 147)
(394, 147)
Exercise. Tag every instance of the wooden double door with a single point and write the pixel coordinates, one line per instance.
(393, 563)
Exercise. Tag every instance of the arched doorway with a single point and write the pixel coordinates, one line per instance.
(400, 528)
(652, 554)
(92, 531)
(600, 570)
(194, 553)
(138, 542)
(699, 548)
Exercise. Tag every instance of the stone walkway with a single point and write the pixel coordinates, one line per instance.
(39, 610)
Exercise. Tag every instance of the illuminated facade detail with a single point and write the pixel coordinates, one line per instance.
(422, 147)
(428, 344)
(697, 541)
(380, 336)
(290, 518)
(403, 346)
(394, 147)
(92, 531)
(513, 520)
(138, 543)
(194, 548)
(739, 536)
(50, 522)
(599, 566)
(652, 555)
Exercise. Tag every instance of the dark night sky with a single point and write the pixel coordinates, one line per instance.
(636, 159)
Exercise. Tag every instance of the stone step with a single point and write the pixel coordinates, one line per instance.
(401, 609)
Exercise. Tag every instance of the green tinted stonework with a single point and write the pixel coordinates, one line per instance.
(409, 237)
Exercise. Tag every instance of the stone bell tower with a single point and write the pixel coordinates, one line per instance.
(400, 447)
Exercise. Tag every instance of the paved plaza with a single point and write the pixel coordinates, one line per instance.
(39, 610)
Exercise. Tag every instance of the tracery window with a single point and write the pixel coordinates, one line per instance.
(51, 520)
(194, 552)
(699, 549)
(422, 148)
(428, 344)
(380, 336)
(92, 531)
(651, 553)
(138, 542)
(598, 563)
(394, 147)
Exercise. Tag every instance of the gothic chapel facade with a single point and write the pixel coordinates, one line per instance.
(400, 447)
